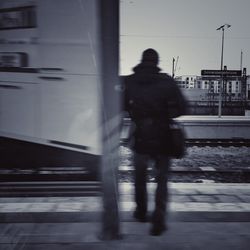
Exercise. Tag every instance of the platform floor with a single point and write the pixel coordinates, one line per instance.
(201, 216)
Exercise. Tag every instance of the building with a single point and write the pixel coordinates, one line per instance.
(248, 88)
(189, 81)
(232, 88)
(203, 92)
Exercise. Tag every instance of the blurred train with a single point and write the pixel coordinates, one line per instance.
(51, 87)
(50, 83)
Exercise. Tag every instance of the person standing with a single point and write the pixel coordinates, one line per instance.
(152, 99)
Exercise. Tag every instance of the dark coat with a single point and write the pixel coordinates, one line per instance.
(152, 99)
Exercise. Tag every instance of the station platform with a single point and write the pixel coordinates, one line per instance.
(201, 216)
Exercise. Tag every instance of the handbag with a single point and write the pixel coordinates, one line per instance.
(177, 146)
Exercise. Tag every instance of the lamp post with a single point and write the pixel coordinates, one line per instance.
(221, 66)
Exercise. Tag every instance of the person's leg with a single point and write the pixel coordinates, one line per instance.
(140, 162)
(161, 194)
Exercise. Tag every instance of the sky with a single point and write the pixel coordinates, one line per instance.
(185, 29)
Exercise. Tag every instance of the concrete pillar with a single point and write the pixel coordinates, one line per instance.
(111, 118)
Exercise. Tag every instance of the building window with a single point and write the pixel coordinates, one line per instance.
(18, 18)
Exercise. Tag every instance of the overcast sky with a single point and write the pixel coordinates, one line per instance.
(185, 28)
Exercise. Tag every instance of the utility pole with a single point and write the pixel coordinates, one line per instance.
(221, 66)
(173, 67)
(241, 59)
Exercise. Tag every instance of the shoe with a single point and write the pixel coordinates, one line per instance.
(140, 217)
(157, 230)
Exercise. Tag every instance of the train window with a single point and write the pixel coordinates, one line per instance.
(13, 59)
(18, 18)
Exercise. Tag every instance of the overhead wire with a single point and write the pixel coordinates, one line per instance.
(180, 36)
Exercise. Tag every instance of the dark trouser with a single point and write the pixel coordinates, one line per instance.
(161, 194)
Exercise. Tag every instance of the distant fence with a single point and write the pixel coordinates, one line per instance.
(211, 108)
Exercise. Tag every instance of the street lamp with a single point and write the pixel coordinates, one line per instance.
(221, 65)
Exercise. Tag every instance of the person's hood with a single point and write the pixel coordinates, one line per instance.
(146, 68)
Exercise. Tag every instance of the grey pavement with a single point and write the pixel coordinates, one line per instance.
(201, 216)
(181, 235)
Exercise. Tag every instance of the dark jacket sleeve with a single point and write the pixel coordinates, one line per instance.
(177, 103)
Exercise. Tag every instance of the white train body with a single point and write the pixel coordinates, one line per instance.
(50, 73)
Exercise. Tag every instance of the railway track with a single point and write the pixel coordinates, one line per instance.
(202, 142)
(79, 181)
(234, 142)
(204, 174)
(31, 185)
(48, 181)
(49, 188)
